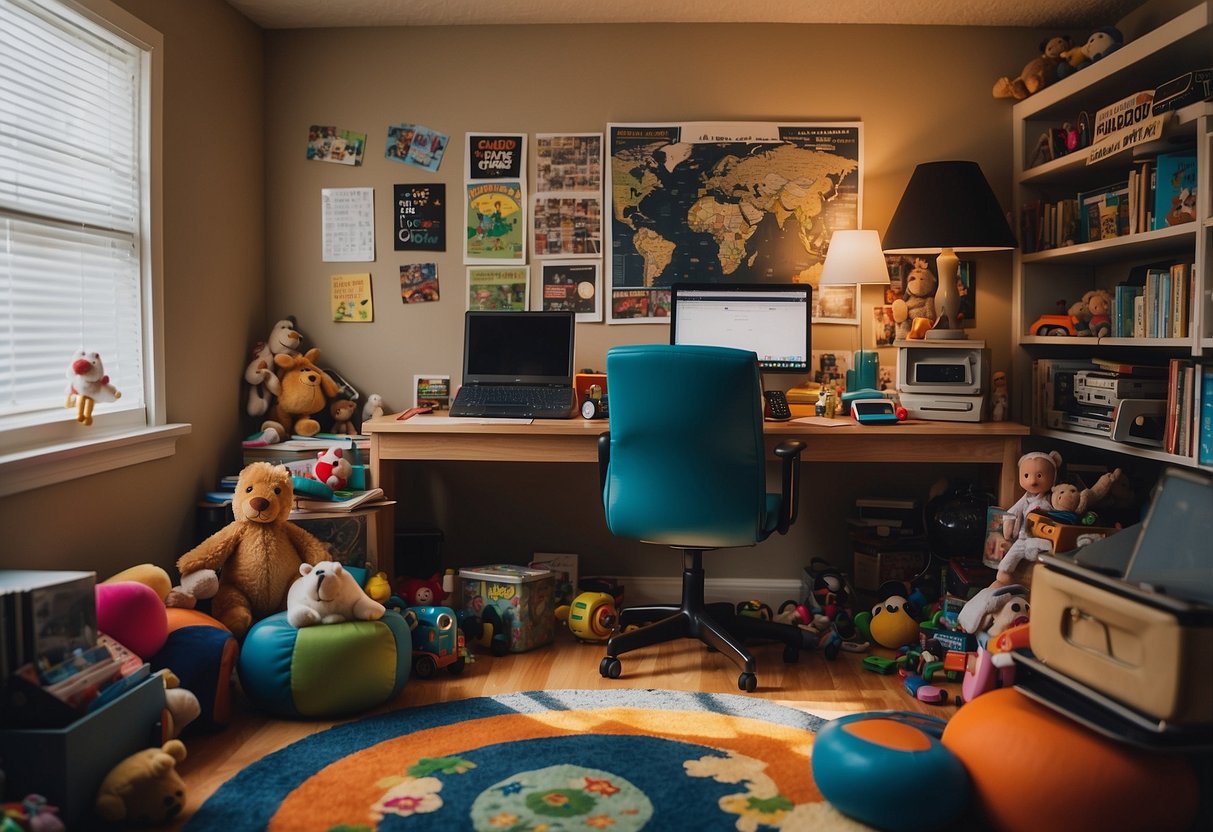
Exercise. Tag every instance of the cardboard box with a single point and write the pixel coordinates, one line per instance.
(520, 596)
(67, 765)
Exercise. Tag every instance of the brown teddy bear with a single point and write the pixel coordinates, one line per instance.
(919, 301)
(248, 566)
(306, 389)
(144, 789)
(1038, 74)
(343, 415)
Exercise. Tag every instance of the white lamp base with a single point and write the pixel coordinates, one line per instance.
(947, 299)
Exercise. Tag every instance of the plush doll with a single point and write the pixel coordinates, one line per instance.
(993, 610)
(1102, 41)
(305, 390)
(145, 789)
(1037, 74)
(919, 300)
(1037, 475)
(328, 594)
(332, 468)
(256, 556)
(1069, 503)
(260, 374)
(1099, 306)
(421, 592)
(1080, 314)
(374, 407)
(87, 385)
(342, 411)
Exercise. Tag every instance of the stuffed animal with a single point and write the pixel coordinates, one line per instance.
(1080, 315)
(305, 390)
(919, 300)
(342, 411)
(260, 374)
(332, 468)
(1102, 41)
(421, 592)
(256, 556)
(87, 385)
(1000, 397)
(1099, 307)
(328, 594)
(1037, 74)
(893, 621)
(374, 407)
(1037, 475)
(1069, 503)
(993, 610)
(145, 789)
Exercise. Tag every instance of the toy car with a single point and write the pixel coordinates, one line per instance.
(437, 641)
(1054, 325)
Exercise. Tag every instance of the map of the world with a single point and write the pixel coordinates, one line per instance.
(731, 202)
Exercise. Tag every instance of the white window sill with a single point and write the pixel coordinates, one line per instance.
(27, 470)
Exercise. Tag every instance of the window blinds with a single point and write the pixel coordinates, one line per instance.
(71, 150)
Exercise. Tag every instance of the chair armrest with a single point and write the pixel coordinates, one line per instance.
(789, 451)
(604, 459)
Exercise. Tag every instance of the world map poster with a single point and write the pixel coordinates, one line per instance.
(714, 202)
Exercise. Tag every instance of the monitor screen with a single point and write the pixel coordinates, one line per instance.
(772, 319)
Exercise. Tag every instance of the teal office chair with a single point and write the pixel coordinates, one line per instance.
(684, 465)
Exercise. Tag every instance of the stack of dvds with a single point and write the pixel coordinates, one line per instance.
(1136, 394)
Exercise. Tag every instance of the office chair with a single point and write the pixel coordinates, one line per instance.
(684, 465)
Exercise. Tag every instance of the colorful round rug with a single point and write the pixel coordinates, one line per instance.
(541, 761)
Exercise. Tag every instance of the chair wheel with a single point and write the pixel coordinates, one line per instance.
(610, 668)
(747, 682)
(791, 654)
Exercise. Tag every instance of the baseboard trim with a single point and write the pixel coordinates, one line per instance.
(770, 591)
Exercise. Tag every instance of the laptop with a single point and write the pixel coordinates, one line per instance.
(517, 365)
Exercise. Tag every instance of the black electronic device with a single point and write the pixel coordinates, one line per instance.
(773, 320)
(594, 408)
(776, 406)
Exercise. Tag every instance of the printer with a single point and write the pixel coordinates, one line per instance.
(943, 380)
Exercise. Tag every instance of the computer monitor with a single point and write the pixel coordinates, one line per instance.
(775, 320)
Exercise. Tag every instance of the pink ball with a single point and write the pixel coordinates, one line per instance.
(134, 615)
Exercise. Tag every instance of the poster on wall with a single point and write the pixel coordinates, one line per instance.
(572, 286)
(347, 217)
(420, 217)
(566, 225)
(496, 223)
(725, 201)
(495, 156)
(350, 298)
(419, 282)
(504, 289)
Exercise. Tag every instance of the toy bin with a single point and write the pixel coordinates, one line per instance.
(66, 765)
(519, 597)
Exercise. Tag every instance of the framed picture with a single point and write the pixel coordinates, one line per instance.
(571, 286)
(884, 329)
(996, 544)
(836, 305)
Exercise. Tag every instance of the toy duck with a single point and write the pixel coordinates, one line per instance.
(88, 384)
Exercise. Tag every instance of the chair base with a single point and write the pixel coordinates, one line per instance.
(716, 625)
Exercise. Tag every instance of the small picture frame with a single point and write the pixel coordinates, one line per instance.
(996, 543)
(432, 390)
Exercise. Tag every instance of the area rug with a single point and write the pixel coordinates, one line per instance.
(544, 760)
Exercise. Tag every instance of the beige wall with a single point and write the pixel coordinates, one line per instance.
(214, 304)
(922, 93)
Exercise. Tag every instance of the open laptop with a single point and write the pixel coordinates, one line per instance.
(517, 365)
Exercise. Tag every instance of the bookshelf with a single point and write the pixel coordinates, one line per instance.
(1046, 280)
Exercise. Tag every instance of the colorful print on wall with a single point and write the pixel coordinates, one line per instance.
(341, 147)
(500, 288)
(496, 223)
(351, 298)
(420, 217)
(419, 282)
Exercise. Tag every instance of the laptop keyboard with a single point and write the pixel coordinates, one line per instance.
(537, 399)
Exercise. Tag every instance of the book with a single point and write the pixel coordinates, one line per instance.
(1205, 443)
(1181, 294)
(342, 501)
(50, 614)
(1174, 189)
(1104, 212)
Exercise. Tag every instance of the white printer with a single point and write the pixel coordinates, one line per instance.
(943, 380)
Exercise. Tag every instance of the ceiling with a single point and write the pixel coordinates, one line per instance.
(1043, 14)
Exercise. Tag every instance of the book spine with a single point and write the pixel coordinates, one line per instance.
(1205, 456)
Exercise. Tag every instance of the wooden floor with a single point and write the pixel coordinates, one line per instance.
(813, 684)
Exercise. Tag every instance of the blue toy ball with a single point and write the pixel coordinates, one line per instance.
(326, 670)
(888, 769)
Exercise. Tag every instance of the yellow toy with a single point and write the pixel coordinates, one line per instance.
(591, 617)
(145, 788)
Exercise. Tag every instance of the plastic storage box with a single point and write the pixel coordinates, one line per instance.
(520, 597)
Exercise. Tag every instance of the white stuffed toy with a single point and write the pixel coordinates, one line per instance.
(327, 594)
(373, 408)
(261, 373)
(87, 385)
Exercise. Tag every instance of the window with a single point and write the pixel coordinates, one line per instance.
(78, 245)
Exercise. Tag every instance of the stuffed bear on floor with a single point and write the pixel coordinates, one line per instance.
(328, 594)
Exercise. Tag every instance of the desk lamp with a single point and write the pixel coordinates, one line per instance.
(947, 207)
(855, 258)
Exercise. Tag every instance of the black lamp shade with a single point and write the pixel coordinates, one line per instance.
(948, 205)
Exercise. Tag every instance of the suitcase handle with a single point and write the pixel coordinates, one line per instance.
(1072, 616)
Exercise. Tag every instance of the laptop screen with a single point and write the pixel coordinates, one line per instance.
(1172, 553)
(529, 347)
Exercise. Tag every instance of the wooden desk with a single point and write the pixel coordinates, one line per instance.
(576, 440)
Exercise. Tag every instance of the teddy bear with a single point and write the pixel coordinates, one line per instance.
(1068, 503)
(1099, 307)
(328, 594)
(87, 385)
(1080, 314)
(1102, 41)
(332, 468)
(342, 411)
(260, 375)
(1037, 74)
(247, 567)
(919, 301)
(144, 789)
(305, 390)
